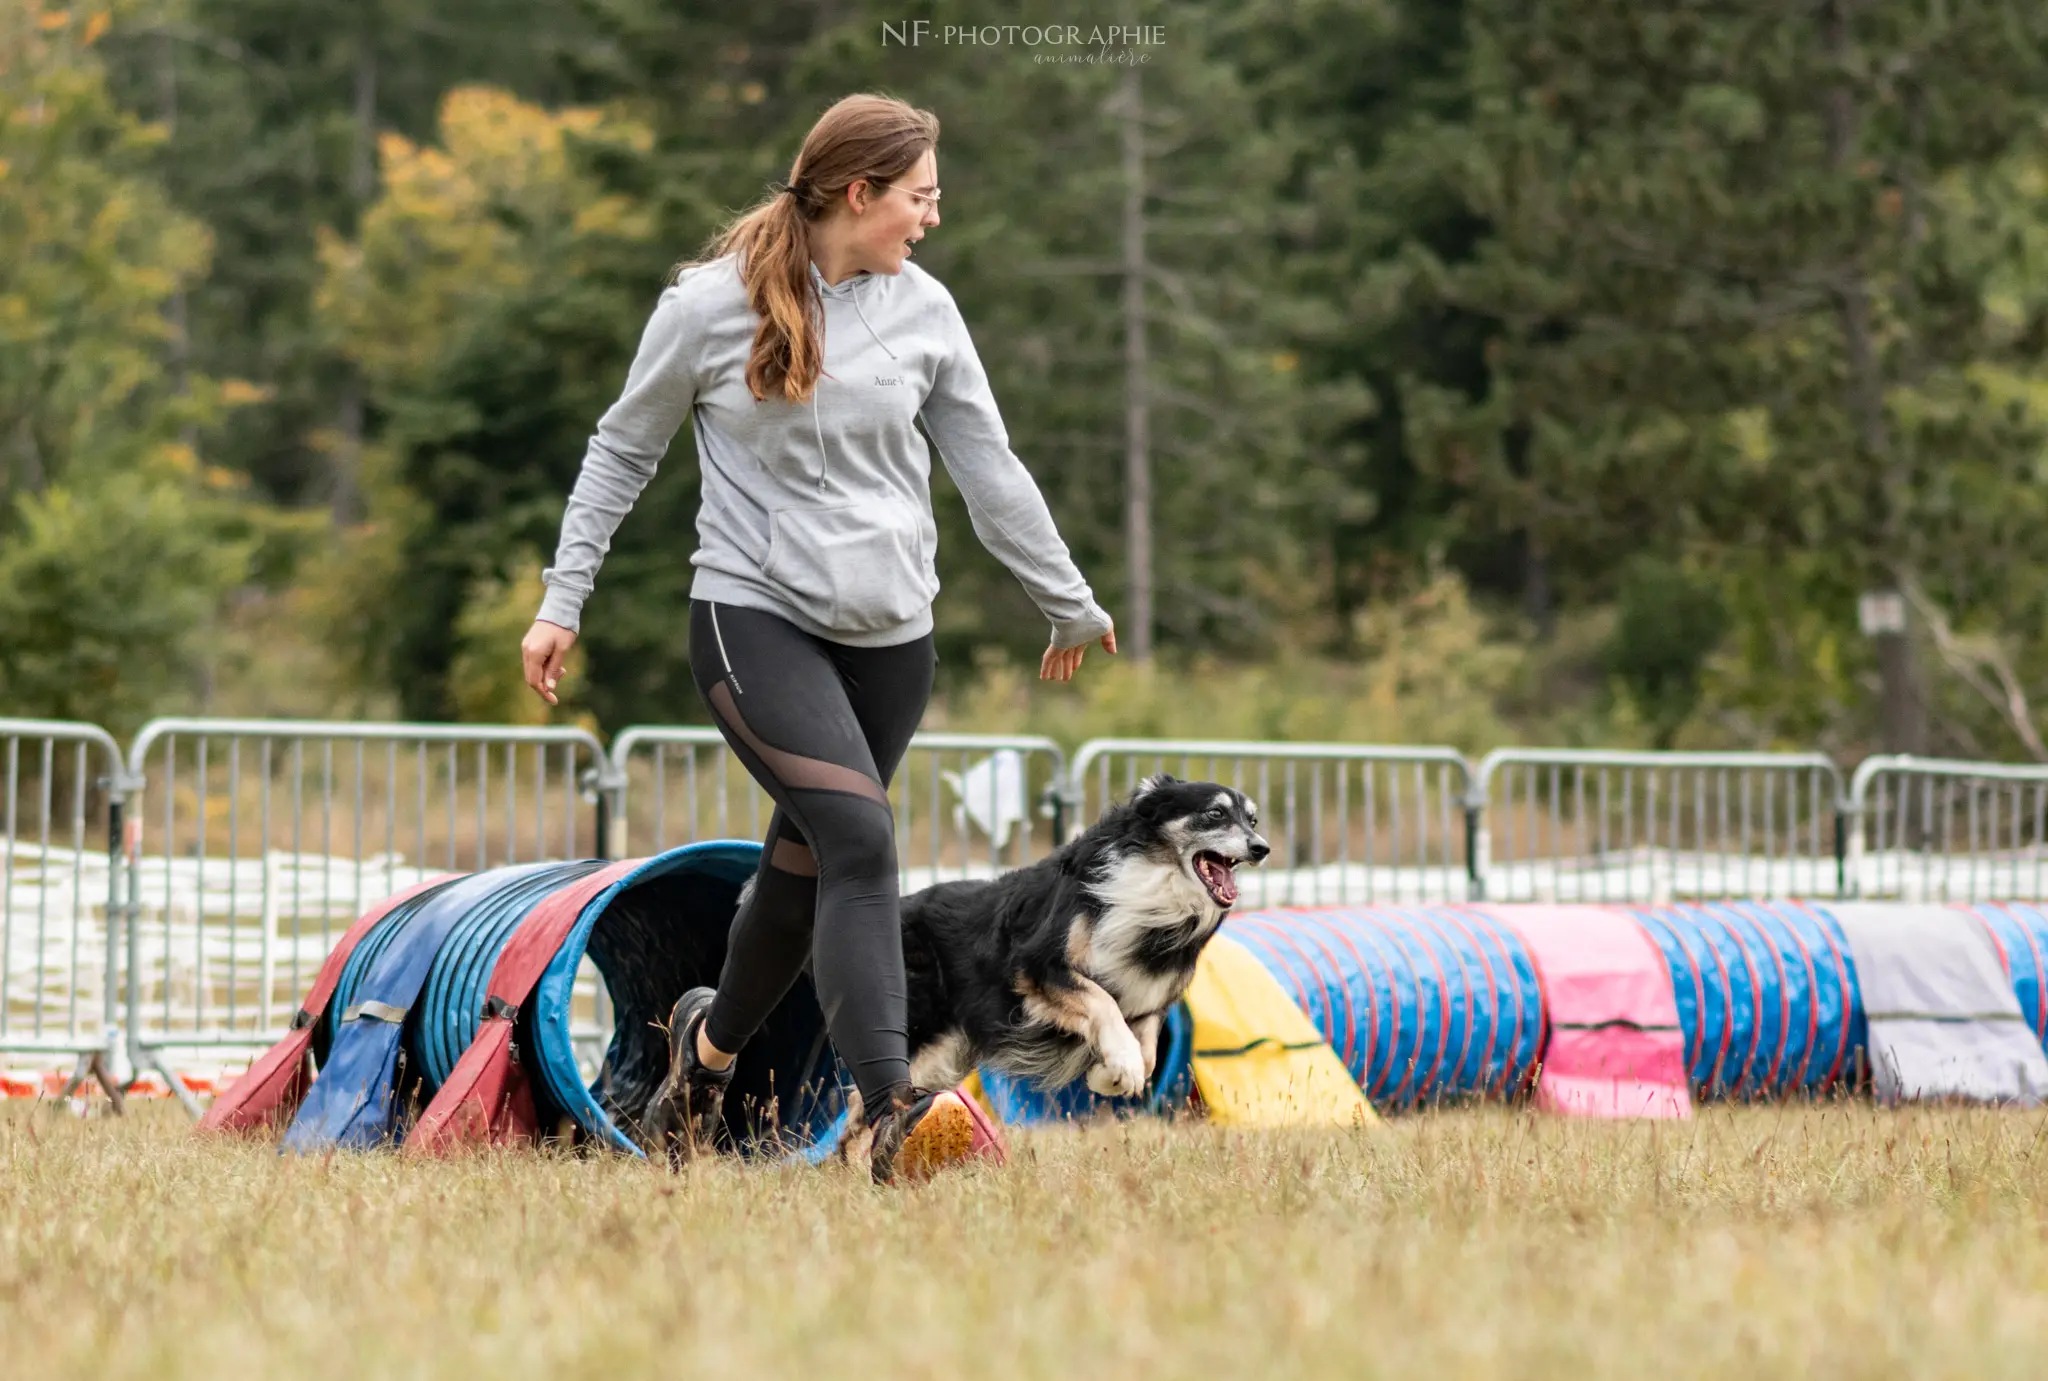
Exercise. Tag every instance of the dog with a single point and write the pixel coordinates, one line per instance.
(1065, 968)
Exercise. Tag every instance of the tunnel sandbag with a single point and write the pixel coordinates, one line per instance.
(358, 1099)
(653, 935)
(1423, 1004)
(272, 1089)
(1615, 1047)
(1766, 994)
(2020, 930)
(1020, 1101)
(1944, 1021)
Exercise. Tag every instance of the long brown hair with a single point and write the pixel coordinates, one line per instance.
(862, 136)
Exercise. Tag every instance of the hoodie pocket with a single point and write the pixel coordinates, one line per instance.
(858, 567)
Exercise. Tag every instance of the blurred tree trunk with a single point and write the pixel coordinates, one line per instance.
(1137, 417)
(1903, 713)
(345, 501)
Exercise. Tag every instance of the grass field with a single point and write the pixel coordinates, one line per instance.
(1830, 1241)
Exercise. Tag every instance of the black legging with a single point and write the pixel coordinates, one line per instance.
(822, 728)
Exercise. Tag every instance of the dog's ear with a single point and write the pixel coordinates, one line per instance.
(1152, 784)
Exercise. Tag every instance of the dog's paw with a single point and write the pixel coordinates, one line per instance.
(1120, 1075)
(1103, 1081)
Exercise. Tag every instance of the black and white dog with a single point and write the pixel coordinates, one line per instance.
(1067, 966)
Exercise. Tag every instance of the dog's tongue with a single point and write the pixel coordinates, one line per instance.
(1220, 877)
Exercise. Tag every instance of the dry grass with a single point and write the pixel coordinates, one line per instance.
(1836, 1241)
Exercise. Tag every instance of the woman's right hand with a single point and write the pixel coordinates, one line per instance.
(544, 648)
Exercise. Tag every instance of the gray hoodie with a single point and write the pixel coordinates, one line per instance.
(820, 511)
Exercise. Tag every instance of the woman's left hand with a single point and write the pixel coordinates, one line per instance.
(1060, 663)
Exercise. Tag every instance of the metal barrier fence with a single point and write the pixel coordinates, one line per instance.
(966, 805)
(1930, 829)
(253, 843)
(1347, 822)
(60, 882)
(1592, 825)
(180, 898)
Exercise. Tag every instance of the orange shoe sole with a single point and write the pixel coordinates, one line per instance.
(946, 1135)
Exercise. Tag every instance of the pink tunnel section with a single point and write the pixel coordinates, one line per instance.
(1615, 1048)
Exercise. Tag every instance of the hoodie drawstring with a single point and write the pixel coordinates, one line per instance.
(816, 389)
(853, 296)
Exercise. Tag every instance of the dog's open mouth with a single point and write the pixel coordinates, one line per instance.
(1219, 875)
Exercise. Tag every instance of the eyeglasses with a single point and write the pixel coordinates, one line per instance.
(922, 198)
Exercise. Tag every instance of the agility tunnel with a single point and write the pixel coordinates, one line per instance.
(2020, 930)
(1422, 1004)
(1638, 1010)
(442, 1017)
(1766, 993)
(1751, 1000)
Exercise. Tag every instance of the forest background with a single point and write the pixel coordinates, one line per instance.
(1480, 371)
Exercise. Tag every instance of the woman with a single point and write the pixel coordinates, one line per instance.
(807, 347)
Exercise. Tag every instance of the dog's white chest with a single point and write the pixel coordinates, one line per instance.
(1140, 894)
(1144, 902)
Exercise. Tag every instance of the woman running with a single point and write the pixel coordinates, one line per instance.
(807, 348)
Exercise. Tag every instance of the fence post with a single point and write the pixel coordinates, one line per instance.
(140, 1056)
(1848, 818)
(129, 874)
(1475, 836)
(1064, 796)
(118, 1020)
(604, 785)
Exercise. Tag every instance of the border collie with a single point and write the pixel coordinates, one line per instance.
(1066, 967)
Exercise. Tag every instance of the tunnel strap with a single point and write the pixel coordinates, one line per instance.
(375, 1011)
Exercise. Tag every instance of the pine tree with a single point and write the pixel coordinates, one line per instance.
(1731, 276)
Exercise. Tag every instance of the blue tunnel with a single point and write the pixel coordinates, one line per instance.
(411, 996)
(1423, 1004)
(1766, 993)
(2020, 930)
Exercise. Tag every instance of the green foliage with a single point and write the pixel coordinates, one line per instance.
(90, 253)
(107, 593)
(1668, 623)
(1520, 371)
(1432, 668)
(118, 542)
(1744, 303)
(487, 633)
(490, 304)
